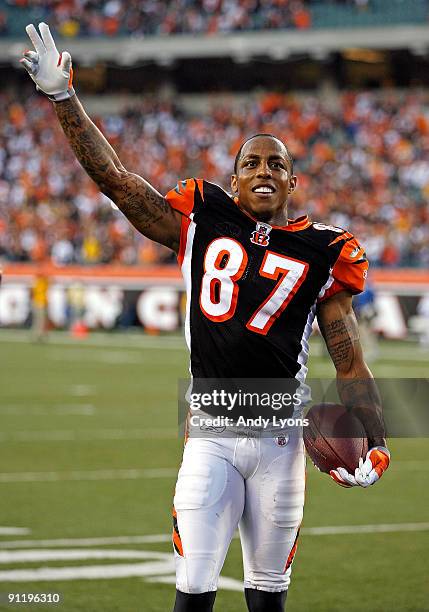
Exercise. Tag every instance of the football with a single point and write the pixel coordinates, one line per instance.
(334, 438)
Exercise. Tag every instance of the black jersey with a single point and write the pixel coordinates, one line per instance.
(252, 288)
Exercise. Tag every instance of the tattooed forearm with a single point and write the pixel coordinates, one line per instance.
(89, 145)
(356, 387)
(361, 396)
(340, 337)
(145, 208)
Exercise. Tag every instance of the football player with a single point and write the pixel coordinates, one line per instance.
(254, 280)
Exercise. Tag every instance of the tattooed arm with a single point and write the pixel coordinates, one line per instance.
(355, 383)
(143, 206)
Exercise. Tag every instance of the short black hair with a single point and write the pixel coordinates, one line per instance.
(237, 157)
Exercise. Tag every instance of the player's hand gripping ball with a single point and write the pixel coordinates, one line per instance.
(336, 442)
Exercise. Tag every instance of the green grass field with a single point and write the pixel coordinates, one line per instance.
(89, 451)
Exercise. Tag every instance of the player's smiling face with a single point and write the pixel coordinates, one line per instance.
(264, 179)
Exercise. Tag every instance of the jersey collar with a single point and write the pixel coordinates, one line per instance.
(294, 225)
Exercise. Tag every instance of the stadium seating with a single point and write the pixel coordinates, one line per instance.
(117, 17)
(362, 164)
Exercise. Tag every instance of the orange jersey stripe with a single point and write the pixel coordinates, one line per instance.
(183, 239)
(292, 553)
(182, 197)
(177, 541)
(350, 270)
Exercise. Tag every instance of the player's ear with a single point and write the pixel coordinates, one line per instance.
(234, 183)
(292, 184)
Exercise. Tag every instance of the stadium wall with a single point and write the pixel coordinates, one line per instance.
(152, 298)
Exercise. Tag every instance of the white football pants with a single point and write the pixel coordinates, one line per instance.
(256, 483)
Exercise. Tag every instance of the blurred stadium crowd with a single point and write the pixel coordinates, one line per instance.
(362, 163)
(72, 18)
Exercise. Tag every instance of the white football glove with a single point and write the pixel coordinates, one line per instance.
(368, 472)
(51, 71)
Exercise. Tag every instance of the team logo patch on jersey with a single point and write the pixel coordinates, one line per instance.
(261, 234)
(355, 252)
(180, 187)
(282, 440)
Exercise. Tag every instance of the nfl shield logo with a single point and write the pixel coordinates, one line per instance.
(261, 234)
(282, 440)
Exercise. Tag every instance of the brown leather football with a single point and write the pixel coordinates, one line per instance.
(334, 437)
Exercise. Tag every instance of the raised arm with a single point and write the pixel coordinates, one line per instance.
(355, 382)
(141, 203)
